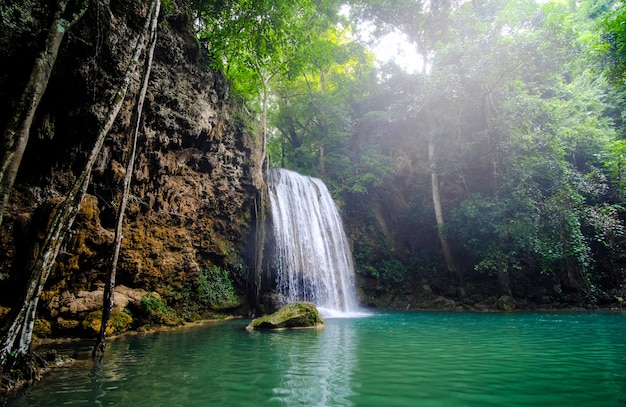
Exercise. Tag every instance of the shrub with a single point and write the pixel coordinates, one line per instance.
(216, 288)
(155, 308)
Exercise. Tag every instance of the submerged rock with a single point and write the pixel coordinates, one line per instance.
(294, 315)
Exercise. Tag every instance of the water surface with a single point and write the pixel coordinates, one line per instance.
(399, 359)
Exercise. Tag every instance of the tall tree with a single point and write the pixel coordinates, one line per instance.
(545, 133)
(312, 109)
(425, 24)
(109, 288)
(16, 134)
(253, 42)
(16, 335)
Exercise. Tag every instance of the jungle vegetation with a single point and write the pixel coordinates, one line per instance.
(507, 134)
(498, 156)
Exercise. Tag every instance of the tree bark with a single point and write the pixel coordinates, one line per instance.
(16, 135)
(436, 194)
(504, 281)
(100, 346)
(260, 207)
(264, 103)
(16, 338)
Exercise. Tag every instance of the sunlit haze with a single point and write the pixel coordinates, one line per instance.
(391, 47)
(395, 47)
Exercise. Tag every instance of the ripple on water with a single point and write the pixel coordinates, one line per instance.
(403, 359)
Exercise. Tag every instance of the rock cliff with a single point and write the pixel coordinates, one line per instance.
(195, 181)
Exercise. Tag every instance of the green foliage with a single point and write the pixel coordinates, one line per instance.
(168, 6)
(253, 41)
(615, 161)
(156, 309)
(612, 45)
(376, 259)
(525, 136)
(393, 271)
(216, 288)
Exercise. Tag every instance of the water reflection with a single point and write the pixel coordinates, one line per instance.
(318, 374)
(402, 359)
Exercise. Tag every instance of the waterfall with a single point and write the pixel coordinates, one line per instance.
(312, 258)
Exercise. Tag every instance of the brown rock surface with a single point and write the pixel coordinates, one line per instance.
(194, 180)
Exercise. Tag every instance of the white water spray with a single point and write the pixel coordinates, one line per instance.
(312, 256)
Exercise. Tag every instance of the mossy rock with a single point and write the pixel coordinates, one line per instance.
(158, 312)
(4, 311)
(506, 303)
(67, 324)
(295, 315)
(42, 328)
(442, 303)
(118, 323)
(171, 319)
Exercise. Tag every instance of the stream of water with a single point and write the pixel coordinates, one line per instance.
(313, 259)
(385, 359)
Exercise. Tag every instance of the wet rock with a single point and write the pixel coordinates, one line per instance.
(443, 303)
(42, 328)
(118, 323)
(83, 302)
(195, 180)
(506, 303)
(295, 315)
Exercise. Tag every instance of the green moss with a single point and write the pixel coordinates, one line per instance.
(154, 307)
(158, 312)
(67, 324)
(42, 328)
(119, 322)
(295, 315)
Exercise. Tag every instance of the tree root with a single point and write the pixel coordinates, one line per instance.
(24, 371)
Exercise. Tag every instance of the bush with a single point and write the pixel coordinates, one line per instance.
(216, 288)
(158, 312)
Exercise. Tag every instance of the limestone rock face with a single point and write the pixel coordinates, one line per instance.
(69, 311)
(295, 315)
(195, 179)
(70, 305)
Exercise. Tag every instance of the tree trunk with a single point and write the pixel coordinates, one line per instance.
(17, 334)
(260, 203)
(259, 248)
(504, 281)
(17, 132)
(324, 127)
(107, 306)
(264, 103)
(445, 246)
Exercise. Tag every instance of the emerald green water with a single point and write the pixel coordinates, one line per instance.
(399, 359)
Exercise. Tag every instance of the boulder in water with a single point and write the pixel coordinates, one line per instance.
(294, 315)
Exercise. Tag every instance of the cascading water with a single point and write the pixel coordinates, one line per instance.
(312, 258)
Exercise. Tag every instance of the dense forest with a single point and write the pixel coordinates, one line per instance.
(493, 165)
(487, 172)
